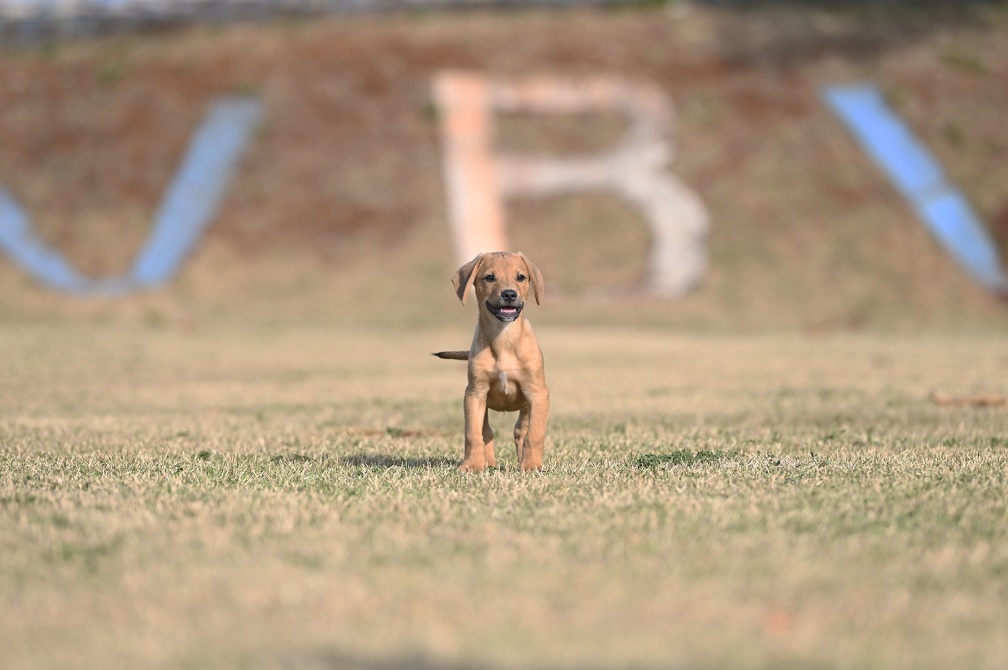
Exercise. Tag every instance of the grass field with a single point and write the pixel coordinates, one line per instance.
(288, 497)
(256, 465)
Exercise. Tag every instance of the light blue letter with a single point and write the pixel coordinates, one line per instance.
(921, 181)
(188, 206)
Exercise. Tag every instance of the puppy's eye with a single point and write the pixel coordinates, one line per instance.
(521, 277)
(489, 278)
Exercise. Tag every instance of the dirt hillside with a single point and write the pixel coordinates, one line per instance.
(337, 211)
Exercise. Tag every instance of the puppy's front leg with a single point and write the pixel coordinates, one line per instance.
(475, 418)
(532, 446)
(488, 441)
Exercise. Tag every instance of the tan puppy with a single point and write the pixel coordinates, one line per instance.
(505, 362)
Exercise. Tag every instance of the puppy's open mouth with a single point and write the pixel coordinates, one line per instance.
(505, 313)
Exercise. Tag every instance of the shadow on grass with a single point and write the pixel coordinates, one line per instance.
(393, 461)
(343, 661)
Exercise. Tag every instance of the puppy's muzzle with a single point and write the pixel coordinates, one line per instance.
(507, 308)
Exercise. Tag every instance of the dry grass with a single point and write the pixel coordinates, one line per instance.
(288, 497)
(255, 467)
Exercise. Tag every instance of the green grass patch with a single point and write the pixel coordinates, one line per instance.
(683, 457)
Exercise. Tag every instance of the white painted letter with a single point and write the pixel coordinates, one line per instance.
(477, 181)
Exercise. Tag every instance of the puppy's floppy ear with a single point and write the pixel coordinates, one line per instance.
(536, 277)
(465, 276)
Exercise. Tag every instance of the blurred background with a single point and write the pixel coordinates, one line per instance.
(336, 211)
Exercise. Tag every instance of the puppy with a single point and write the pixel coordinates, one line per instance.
(506, 371)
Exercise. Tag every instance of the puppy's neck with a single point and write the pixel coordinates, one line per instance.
(498, 334)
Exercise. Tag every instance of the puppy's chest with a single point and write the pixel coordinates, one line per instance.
(504, 380)
(502, 384)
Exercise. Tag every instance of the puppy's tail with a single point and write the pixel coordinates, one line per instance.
(453, 355)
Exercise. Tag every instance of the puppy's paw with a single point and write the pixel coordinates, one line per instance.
(473, 465)
(531, 463)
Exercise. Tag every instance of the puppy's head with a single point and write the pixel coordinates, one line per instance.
(502, 280)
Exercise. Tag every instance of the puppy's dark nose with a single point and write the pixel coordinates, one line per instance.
(509, 295)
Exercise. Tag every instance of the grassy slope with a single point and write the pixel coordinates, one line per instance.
(289, 497)
(340, 196)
